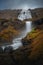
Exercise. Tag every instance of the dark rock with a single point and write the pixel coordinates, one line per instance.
(39, 22)
(1, 50)
(8, 49)
(26, 42)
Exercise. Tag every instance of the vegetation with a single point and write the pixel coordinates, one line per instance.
(31, 53)
(8, 33)
(9, 29)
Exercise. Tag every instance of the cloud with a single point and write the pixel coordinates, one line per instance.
(14, 4)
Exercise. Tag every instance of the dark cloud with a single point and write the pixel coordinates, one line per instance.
(14, 4)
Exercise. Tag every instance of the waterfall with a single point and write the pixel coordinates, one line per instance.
(25, 14)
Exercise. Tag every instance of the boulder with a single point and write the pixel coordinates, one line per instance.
(8, 49)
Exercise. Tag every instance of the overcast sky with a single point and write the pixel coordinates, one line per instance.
(22, 4)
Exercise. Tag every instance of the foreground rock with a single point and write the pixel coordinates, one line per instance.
(8, 49)
(1, 50)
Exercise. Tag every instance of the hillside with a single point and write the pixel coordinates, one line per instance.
(7, 14)
(31, 53)
(37, 13)
(34, 42)
(9, 29)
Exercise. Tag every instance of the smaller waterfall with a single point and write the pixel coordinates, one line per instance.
(28, 26)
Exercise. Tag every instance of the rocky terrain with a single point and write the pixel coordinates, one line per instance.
(7, 14)
(9, 29)
(31, 53)
(34, 42)
(37, 13)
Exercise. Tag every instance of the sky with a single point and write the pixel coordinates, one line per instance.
(21, 4)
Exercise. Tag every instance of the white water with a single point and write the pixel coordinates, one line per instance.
(17, 41)
(25, 14)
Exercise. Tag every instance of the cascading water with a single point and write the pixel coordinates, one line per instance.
(25, 14)
(17, 41)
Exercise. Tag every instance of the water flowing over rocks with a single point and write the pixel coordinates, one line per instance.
(25, 14)
(31, 52)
